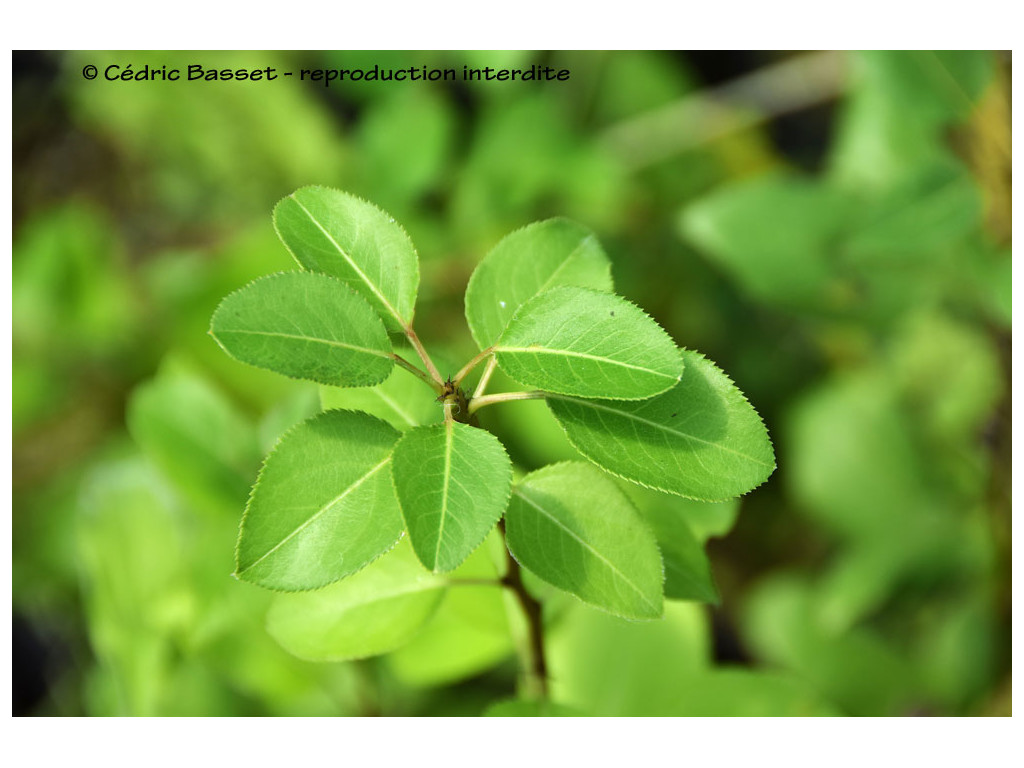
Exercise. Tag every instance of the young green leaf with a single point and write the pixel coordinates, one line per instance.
(576, 341)
(375, 611)
(614, 668)
(452, 482)
(572, 526)
(471, 631)
(306, 326)
(702, 439)
(323, 506)
(705, 519)
(687, 570)
(531, 260)
(330, 231)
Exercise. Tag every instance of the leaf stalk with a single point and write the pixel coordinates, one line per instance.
(485, 377)
(479, 402)
(415, 371)
(471, 365)
(418, 346)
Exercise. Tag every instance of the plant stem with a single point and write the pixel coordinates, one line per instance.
(479, 402)
(416, 372)
(537, 673)
(418, 346)
(471, 365)
(485, 377)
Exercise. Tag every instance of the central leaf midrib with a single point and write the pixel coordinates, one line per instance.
(344, 254)
(448, 435)
(596, 554)
(585, 355)
(657, 425)
(564, 262)
(309, 521)
(315, 339)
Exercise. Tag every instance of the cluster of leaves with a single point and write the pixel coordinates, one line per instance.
(339, 490)
(864, 309)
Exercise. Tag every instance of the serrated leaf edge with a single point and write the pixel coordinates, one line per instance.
(394, 312)
(504, 507)
(641, 310)
(348, 288)
(259, 478)
(591, 235)
(771, 446)
(643, 523)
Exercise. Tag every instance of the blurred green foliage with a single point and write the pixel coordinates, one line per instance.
(862, 303)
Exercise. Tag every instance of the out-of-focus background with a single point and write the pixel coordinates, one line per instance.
(833, 229)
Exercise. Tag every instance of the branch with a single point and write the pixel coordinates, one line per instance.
(537, 673)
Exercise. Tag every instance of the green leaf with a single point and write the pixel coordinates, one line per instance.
(323, 506)
(915, 221)
(576, 341)
(610, 668)
(705, 519)
(133, 562)
(954, 401)
(404, 142)
(858, 669)
(898, 107)
(853, 462)
(572, 526)
(196, 436)
(687, 570)
(542, 255)
(452, 482)
(306, 326)
(330, 231)
(470, 632)
(701, 439)
(375, 611)
(773, 234)
(941, 85)
(71, 287)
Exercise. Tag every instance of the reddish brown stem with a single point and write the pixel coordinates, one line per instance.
(513, 579)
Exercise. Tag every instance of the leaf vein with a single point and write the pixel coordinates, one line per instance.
(611, 566)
